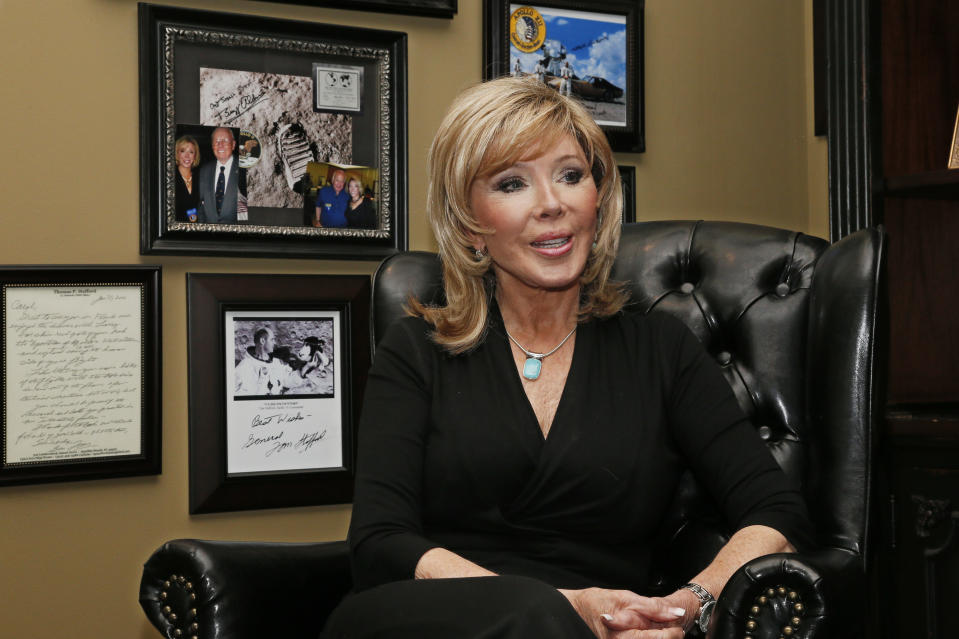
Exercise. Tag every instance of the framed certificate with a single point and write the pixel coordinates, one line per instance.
(81, 372)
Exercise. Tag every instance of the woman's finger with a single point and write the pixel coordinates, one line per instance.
(643, 613)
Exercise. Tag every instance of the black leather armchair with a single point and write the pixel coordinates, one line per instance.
(795, 324)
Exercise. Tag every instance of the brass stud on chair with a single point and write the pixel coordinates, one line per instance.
(167, 610)
(795, 621)
(792, 595)
(163, 596)
(192, 596)
(754, 610)
(178, 632)
(173, 616)
(192, 613)
(781, 591)
(194, 626)
(798, 607)
(189, 585)
(166, 584)
(770, 592)
(761, 599)
(750, 625)
(788, 631)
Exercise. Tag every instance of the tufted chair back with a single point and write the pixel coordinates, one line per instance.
(790, 319)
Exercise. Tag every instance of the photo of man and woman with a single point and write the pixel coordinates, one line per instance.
(210, 183)
(341, 196)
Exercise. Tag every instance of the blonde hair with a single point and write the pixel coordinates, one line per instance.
(488, 128)
(186, 139)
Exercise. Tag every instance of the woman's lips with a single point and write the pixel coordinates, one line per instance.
(554, 246)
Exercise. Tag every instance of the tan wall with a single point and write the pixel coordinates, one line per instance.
(728, 96)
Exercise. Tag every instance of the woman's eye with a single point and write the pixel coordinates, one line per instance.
(509, 185)
(571, 176)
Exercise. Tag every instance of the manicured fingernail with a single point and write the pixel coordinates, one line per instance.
(607, 617)
(679, 612)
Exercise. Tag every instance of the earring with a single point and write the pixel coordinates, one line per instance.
(479, 254)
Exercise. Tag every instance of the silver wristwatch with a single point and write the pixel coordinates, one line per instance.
(706, 605)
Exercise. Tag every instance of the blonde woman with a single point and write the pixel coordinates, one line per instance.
(519, 446)
(187, 157)
(359, 210)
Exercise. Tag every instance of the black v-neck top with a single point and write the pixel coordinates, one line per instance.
(451, 455)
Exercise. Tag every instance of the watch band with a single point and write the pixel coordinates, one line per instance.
(706, 604)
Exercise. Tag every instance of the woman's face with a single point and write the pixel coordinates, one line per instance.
(543, 212)
(354, 190)
(304, 352)
(185, 155)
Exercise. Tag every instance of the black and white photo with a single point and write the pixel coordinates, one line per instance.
(277, 368)
(278, 356)
(283, 412)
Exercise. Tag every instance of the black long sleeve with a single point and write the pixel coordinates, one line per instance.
(451, 455)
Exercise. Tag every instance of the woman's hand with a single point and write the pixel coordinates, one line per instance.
(621, 614)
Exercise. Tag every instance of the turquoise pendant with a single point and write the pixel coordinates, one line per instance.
(532, 368)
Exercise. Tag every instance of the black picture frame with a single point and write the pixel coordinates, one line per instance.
(68, 357)
(627, 133)
(213, 299)
(627, 176)
(209, 69)
(429, 8)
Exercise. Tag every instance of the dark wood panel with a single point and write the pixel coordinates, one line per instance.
(923, 300)
(943, 184)
(920, 83)
(925, 561)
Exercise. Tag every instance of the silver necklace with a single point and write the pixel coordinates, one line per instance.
(534, 361)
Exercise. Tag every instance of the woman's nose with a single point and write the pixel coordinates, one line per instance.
(550, 203)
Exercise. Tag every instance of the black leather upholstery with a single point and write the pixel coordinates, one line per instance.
(794, 323)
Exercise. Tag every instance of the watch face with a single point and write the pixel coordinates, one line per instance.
(705, 613)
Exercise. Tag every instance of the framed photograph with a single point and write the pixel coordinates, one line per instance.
(277, 369)
(233, 111)
(595, 55)
(430, 8)
(80, 372)
(627, 175)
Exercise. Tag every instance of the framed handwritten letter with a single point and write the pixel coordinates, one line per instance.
(236, 109)
(81, 372)
(277, 369)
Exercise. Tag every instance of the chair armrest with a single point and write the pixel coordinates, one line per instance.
(824, 590)
(243, 590)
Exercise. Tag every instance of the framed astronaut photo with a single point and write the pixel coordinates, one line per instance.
(233, 109)
(277, 371)
(594, 56)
